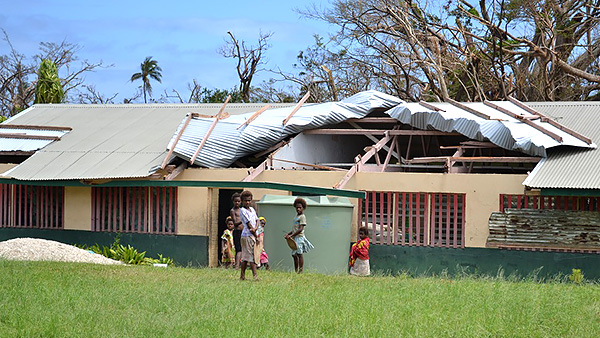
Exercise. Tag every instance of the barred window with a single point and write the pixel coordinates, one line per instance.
(582, 203)
(135, 209)
(414, 218)
(26, 206)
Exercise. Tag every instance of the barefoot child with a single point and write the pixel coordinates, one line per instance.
(359, 254)
(297, 234)
(250, 223)
(260, 255)
(228, 252)
(234, 213)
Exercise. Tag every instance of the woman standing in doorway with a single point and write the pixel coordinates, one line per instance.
(234, 213)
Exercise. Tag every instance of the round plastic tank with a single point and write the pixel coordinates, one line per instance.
(329, 226)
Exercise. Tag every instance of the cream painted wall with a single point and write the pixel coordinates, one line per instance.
(482, 193)
(78, 208)
(6, 166)
(197, 174)
(198, 207)
(193, 211)
(482, 190)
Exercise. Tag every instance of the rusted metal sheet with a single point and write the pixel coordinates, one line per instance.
(550, 229)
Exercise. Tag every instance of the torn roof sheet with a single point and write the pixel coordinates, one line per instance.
(501, 129)
(27, 139)
(228, 142)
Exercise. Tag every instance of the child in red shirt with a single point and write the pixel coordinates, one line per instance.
(359, 254)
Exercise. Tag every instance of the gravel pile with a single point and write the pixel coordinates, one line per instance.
(36, 249)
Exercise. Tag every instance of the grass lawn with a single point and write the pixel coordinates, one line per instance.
(53, 299)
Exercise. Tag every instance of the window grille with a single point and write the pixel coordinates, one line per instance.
(581, 203)
(28, 206)
(135, 209)
(414, 218)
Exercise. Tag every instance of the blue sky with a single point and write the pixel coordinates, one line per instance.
(183, 36)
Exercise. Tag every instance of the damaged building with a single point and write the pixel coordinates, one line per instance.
(442, 186)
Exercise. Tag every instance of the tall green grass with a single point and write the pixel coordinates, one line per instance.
(53, 299)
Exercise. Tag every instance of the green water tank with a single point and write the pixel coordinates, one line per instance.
(329, 226)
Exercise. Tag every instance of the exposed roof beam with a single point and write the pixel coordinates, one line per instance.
(185, 124)
(549, 120)
(469, 109)
(220, 116)
(375, 140)
(270, 149)
(300, 103)
(30, 137)
(17, 153)
(254, 116)
(316, 166)
(266, 164)
(430, 106)
(254, 172)
(325, 131)
(479, 144)
(524, 120)
(374, 120)
(360, 160)
(500, 159)
(389, 154)
(471, 146)
(23, 126)
(210, 129)
(178, 170)
(240, 164)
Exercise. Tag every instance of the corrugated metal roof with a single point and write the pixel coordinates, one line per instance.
(501, 129)
(107, 141)
(128, 141)
(565, 167)
(227, 143)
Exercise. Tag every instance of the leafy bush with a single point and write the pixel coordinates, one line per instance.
(126, 254)
(577, 276)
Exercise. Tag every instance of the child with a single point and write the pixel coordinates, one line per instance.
(297, 234)
(250, 223)
(260, 255)
(234, 213)
(228, 252)
(359, 254)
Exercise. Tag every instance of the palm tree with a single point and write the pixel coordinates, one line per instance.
(150, 69)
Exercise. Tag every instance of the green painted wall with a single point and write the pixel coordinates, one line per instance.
(185, 250)
(427, 261)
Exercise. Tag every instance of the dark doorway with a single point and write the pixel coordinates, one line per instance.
(225, 205)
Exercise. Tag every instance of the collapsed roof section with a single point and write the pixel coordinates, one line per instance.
(220, 140)
(507, 124)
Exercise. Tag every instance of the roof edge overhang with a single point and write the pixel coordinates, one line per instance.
(205, 184)
(570, 192)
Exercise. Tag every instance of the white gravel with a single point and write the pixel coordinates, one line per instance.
(36, 249)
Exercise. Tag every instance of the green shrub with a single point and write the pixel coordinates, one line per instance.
(126, 254)
(577, 276)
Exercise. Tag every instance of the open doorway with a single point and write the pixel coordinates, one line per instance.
(225, 205)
